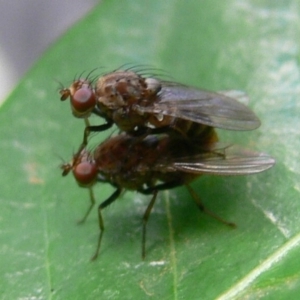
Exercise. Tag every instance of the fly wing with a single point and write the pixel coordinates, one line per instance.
(204, 107)
(230, 160)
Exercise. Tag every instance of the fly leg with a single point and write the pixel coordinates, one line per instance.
(88, 129)
(204, 209)
(105, 203)
(145, 220)
(92, 199)
(152, 190)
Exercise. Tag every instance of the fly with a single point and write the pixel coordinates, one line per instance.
(142, 105)
(158, 163)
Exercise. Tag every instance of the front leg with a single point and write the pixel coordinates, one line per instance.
(92, 199)
(104, 204)
(98, 128)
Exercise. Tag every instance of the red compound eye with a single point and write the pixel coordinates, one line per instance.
(83, 99)
(85, 173)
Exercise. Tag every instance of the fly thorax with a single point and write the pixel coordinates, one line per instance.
(126, 119)
(159, 117)
(160, 120)
(137, 110)
(124, 86)
(112, 101)
(153, 86)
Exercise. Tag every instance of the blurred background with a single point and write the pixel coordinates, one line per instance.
(28, 27)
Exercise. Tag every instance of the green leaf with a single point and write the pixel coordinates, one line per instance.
(243, 44)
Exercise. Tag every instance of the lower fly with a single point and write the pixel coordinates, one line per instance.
(158, 163)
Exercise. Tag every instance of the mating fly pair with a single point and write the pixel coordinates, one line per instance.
(167, 137)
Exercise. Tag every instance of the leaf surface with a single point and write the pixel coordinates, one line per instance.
(247, 45)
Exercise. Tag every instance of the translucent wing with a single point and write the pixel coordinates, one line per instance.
(220, 110)
(229, 160)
